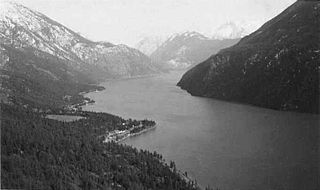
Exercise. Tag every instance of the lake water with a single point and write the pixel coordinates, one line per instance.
(225, 145)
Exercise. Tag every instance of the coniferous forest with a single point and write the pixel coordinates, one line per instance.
(39, 153)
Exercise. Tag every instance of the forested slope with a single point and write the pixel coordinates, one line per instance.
(38, 153)
(275, 67)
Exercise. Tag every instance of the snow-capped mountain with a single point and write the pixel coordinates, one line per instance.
(22, 27)
(186, 49)
(148, 45)
(229, 30)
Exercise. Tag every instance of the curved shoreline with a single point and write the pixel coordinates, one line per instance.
(136, 134)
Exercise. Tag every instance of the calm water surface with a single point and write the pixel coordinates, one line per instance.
(226, 145)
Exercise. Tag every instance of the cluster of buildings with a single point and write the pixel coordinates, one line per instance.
(117, 135)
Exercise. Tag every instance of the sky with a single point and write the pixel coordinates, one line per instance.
(128, 21)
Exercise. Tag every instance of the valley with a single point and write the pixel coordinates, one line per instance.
(198, 100)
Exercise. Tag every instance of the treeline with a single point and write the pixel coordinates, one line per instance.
(39, 153)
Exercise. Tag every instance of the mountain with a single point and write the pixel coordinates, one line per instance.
(229, 30)
(148, 45)
(275, 67)
(184, 50)
(30, 77)
(118, 61)
(22, 27)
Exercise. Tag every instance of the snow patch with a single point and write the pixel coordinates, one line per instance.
(178, 64)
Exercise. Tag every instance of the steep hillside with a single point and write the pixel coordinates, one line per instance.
(276, 67)
(185, 50)
(22, 27)
(30, 77)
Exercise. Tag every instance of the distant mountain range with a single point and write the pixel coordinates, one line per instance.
(184, 50)
(277, 66)
(21, 27)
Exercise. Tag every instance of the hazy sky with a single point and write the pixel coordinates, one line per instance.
(127, 21)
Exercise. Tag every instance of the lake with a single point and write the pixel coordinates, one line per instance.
(221, 144)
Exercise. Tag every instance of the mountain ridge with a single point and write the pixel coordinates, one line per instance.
(184, 50)
(276, 66)
(22, 27)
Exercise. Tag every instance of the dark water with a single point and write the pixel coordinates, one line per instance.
(226, 145)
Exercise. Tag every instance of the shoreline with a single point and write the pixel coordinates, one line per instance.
(129, 78)
(91, 101)
(136, 134)
(119, 136)
(125, 135)
(189, 179)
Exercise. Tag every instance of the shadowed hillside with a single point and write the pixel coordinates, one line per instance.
(276, 67)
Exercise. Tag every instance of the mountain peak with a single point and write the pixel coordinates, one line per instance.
(13, 10)
(229, 30)
(193, 34)
(149, 44)
(187, 35)
(186, 49)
